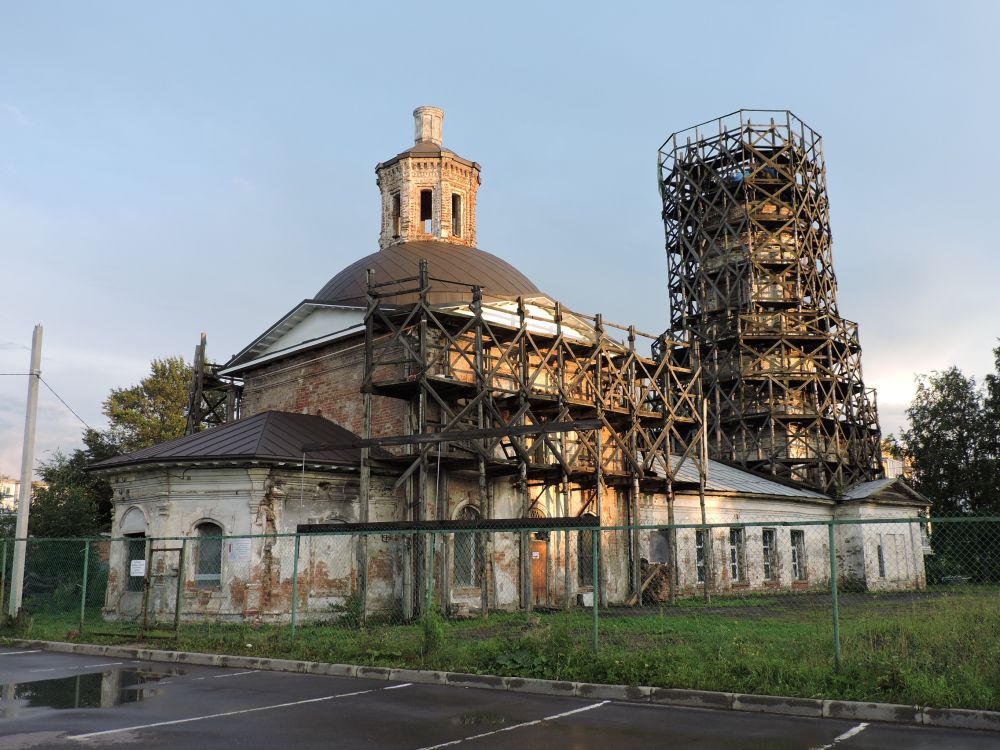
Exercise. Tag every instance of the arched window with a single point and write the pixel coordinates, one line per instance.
(469, 553)
(208, 560)
(585, 553)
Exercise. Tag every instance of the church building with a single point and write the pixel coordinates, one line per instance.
(433, 382)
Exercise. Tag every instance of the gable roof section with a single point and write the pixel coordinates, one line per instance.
(889, 490)
(270, 436)
(261, 348)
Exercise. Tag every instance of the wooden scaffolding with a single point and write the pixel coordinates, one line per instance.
(525, 388)
(752, 289)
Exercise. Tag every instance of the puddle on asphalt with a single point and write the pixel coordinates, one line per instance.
(105, 689)
(478, 719)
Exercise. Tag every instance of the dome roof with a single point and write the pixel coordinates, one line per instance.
(465, 265)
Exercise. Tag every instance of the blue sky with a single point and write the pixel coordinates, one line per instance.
(182, 167)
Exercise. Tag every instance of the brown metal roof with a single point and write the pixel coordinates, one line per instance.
(465, 265)
(267, 437)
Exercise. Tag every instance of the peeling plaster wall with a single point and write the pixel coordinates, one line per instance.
(256, 575)
(256, 579)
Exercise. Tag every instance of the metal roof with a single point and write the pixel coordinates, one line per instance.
(866, 489)
(885, 490)
(464, 265)
(725, 478)
(270, 436)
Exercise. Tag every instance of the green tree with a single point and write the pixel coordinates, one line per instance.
(151, 412)
(945, 441)
(76, 502)
(953, 440)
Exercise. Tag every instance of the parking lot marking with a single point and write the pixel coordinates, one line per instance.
(220, 715)
(15, 653)
(846, 735)
(517, 726)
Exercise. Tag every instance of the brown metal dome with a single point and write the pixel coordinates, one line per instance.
(464, 265)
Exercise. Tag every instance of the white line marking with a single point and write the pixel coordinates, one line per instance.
(517, 726)
(15, 653)
(106, 664)
(233, 674)
(394, 687)
(845, 736)
(50, 669)
(216, 716)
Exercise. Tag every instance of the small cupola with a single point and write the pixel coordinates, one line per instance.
(428, 192)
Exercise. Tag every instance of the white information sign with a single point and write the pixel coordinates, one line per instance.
(239, 550)
(137, 568)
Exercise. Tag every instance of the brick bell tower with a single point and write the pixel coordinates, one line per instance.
(428, 192)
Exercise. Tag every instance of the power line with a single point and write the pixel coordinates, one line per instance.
(64, 403)
(52, 390)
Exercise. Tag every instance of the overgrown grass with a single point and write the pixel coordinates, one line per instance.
(942, 650)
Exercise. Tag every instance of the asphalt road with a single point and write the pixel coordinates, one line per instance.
(50, 700)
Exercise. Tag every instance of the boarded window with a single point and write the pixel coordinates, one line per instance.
(770, 557)
(659, 546)
(469, 551)
(208, 562)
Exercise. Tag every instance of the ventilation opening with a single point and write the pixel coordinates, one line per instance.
(426, 207)
(456, 215)
(395, 215)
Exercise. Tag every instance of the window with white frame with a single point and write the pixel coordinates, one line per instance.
(736, 556)
(699, 553)
(798, 555)
(770, 554)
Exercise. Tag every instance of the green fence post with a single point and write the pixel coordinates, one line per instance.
(180, 589)
(597, 568)
(3, 575)
(295, 582)
(429, 575)
(83, 593)
(833, 595)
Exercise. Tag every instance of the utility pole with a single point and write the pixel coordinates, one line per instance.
(27, 461)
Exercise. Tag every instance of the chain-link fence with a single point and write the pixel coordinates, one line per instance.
(754, 601)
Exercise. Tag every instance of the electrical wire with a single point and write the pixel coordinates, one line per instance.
(63, 402)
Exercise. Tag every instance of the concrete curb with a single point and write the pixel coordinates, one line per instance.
(952, 718)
